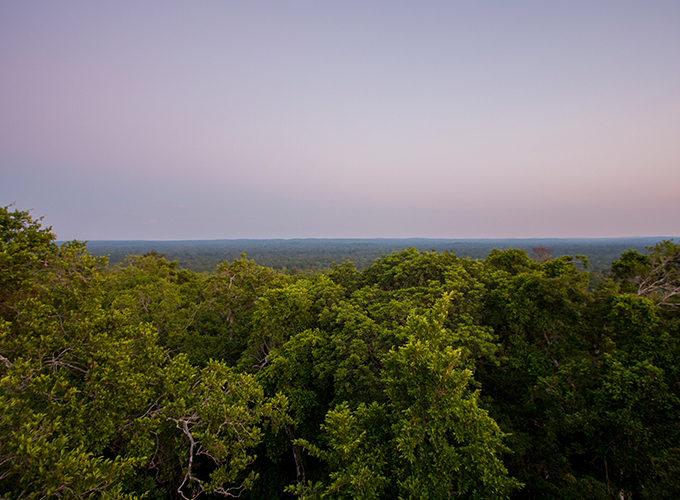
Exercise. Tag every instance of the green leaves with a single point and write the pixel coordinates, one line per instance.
(25, 249)
(429, 439)
(425, 376)
(655, 275)
(93, 405)
(219, 415)
(355, 453)
(445, 444)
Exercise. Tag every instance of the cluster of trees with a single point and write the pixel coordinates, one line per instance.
(423, 376)
(309, 256)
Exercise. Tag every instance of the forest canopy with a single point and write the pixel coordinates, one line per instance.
(421, 376)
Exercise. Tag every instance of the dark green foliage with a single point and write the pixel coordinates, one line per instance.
(25, 247)
(587, 386)
(422, 375)
(308, 256)
(631, 265)
(655, 275)
(93, 404)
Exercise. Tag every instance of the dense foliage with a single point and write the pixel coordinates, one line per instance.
(307, 256)
(423, 376)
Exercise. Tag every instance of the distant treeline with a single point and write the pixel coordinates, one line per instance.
(313, 255)
(424, 375)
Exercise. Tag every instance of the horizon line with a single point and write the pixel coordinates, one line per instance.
(415, 238)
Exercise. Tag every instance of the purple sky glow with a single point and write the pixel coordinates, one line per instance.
(264, 119)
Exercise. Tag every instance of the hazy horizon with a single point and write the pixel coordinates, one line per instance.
(405, 239)
(263, 120)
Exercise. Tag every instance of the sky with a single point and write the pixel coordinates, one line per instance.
(224, 119)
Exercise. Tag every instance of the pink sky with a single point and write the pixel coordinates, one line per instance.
(185, 120)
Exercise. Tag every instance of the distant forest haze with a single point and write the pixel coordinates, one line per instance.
(422, 375)
(314, 255)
